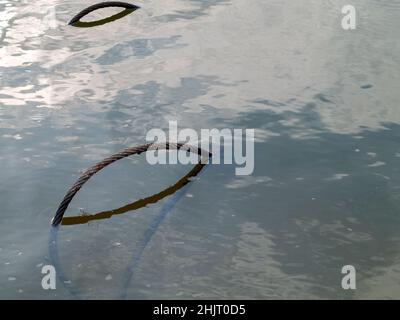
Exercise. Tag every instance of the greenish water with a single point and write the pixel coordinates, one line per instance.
(325, 191)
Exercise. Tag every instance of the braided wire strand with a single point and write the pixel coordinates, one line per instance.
(72, 191)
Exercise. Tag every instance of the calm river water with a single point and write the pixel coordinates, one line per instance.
(324, 103)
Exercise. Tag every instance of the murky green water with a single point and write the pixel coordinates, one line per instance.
(326, 187)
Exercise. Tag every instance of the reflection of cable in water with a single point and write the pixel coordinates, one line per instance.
(147, 236)
(115, 157)
(82, 219)
(179, 188)
(76, 20)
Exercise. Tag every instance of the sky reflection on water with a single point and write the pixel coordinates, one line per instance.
(324, 103)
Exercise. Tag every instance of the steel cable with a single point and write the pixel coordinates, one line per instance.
(182, 184)
(107, 161)
(101, 5)
(74, 189)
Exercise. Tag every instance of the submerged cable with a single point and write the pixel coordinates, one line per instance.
(148, 235)
(180, 188)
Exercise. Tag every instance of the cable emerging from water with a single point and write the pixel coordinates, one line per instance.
(179, 188)
(107, 161)
(76, 20)
(83, 219)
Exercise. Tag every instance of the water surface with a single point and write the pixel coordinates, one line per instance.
(326, 187)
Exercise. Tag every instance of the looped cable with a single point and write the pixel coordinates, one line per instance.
(76, 20)
(109, 160)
